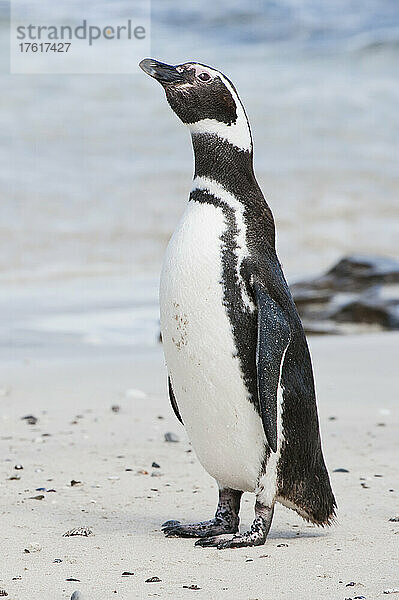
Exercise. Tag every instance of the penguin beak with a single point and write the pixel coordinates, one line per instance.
(160, 71)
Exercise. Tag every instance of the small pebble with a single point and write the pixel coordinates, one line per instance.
(75, 482)
(350, 584)
(14, 478)
(39, 497)
(115, 408)
(155, 465)
(282, 545)
(3, 593)
(341, 470)
(394, 519)
(30, 419)
(32, 547)
(72, 579)
(57, 560)
(82, 531)
(191, 587)
(153, 580)
(391, 591)
(127, 573)
(18, 467)
(77, 596)
(171, 437)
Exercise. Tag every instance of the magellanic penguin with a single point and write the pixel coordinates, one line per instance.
(240, 373)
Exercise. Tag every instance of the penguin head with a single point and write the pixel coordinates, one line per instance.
(204, 99)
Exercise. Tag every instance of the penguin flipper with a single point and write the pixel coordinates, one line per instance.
(173, 401)
(273, 339)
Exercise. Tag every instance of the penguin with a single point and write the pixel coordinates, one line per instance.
(239, 369)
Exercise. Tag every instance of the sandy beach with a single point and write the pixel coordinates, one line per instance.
(101, 422)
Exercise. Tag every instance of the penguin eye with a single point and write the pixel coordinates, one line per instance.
(204, 76)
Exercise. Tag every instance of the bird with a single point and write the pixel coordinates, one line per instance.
(240, 375)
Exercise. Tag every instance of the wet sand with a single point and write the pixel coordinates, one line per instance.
(123, 499)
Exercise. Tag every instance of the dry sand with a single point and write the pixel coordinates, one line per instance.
(124, 499)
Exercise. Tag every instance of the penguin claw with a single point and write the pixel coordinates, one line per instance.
(237, 541)
(211, 542)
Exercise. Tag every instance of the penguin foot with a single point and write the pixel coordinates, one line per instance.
(204, 529)
(226, 519)
(256, 536)
(242, 540)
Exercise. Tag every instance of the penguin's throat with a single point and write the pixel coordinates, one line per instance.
(216, 158)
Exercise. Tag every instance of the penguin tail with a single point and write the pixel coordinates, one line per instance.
(322, 513)
(310, 495)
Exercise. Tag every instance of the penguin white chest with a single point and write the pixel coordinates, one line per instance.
(224, 428)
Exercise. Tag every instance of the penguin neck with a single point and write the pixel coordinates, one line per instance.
(224, 163)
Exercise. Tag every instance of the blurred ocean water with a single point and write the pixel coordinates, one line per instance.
(95, 170)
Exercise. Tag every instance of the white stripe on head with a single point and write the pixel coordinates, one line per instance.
(238, 133)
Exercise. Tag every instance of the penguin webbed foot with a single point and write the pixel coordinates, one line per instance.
(256, 536)
(241, 540)
(204, 529)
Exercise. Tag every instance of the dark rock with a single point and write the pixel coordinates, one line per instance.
(358, 271)
(191, 587)
(30, 419)
(341, 470)
(371, 309)
(153, 580)
(358, 289)
(155, 465)
(76, 531)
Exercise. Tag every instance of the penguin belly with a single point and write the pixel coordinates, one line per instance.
(222, 424)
